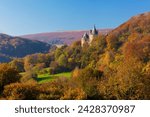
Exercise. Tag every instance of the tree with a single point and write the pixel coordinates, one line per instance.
(28, 63)
(21, 91)
(88, 78)
(8, 75)
(17, 64)
(76, 73)
(29, 76)
(112, 40)
(62, 60)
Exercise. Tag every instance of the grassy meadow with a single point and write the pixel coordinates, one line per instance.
(47, 77)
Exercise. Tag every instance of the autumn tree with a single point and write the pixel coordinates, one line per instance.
(18, 64)
(21, 91)
(8, 75)
(88, 78)
(113, 40)
(29, 76)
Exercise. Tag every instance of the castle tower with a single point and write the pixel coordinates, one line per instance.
(85, 39)
(92, 34)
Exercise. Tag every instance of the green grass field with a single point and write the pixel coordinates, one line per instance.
(47, 77)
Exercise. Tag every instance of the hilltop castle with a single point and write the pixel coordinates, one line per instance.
(87, 39)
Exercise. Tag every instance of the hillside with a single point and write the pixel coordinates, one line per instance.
(60, 37)
(139, 23)
(135, 29)
(4, 58)
(19, 47)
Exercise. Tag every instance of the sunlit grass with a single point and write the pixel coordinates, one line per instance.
(47, 77)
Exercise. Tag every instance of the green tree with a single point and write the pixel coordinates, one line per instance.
(62, 60)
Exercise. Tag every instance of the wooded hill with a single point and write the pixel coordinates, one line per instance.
(19, 47)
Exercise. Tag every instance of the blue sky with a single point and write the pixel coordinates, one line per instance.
(19, 17)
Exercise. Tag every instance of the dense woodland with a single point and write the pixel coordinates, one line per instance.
(114, 66)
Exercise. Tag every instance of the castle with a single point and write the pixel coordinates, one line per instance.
(87, 39)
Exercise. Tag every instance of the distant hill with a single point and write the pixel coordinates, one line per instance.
(19, 47)
(60, 37)
(4, 58)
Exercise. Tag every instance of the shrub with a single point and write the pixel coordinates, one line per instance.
(74, 94)
(20, 91)
(52, 90)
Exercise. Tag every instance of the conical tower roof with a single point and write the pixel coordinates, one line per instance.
(94, 31)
